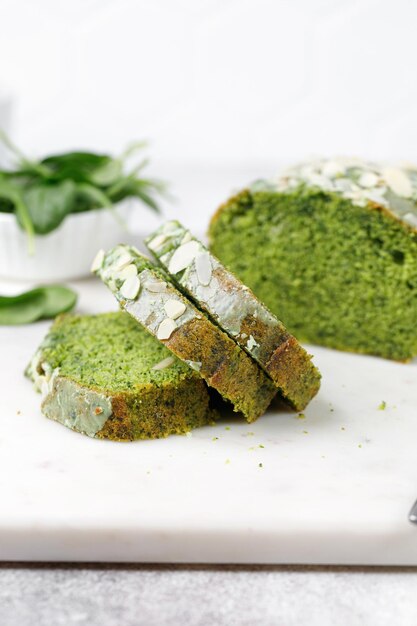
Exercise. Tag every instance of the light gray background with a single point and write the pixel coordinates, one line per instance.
(129, 595)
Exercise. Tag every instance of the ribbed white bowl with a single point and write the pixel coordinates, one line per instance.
(67, 252)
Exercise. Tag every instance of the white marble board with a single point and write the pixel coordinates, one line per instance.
(334, 487)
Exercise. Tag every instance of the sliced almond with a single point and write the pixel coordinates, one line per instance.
(333, 168)
(157, 286)
(127, 272)
(251, 343)
(187, 237)
(130, 288)
(164, 363)
(195, 365)
(398, 181)
(98, 261)
(203, 268)
(122, 260)
(410, 218)
(166, 328)
(183, 256)
(174, 308)
(157, 242)
(368, 180)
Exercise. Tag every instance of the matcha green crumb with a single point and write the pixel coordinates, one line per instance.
(260, 464)
(382, 406)
(337, 274)
(107, 377)
(300, 416)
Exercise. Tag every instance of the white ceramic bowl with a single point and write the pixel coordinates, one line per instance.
(67, 252)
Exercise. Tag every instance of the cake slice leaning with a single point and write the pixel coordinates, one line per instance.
(237, 310)
(106, 377)
(147, 294)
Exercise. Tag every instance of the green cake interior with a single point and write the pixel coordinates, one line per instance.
(105, 376)
(336, 274)
(111, 352)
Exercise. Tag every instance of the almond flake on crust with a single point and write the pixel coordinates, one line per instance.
(183, 256)
(158, 241)
(121, 261)
(398, 181)
(98, 261)
(156, 286)
(166, 328)
(203, 268)
(130, 288)
(251, 343)
(187, 237)
(174, 308)
(127, 272)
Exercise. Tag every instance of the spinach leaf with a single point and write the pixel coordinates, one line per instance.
(42, 193)
(107, 174)
(13, 195)
(23, 309)
(58, 299)
(39, 303)
(48, 204)
(76, 166)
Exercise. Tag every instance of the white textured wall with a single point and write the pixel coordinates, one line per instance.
(270, 79)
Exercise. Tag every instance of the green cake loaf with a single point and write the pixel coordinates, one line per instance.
(234, 307)
(148, 295)
(106, 377)
(331, 248)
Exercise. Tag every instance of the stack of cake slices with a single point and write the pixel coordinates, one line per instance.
(202, 316)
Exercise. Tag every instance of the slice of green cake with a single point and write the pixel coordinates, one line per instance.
(145, 292)
(330, 247)
(235, 308)
(106, 377)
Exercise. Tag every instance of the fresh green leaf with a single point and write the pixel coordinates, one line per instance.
(42, 193)
(77, 166)
(39, 303)
(48, 204)
(96, 197)
(32, 166)
(99, 199)
(132, 148)
(107, 174)
(12, 194)
(130, 187)
(59, 299)
(23, 309)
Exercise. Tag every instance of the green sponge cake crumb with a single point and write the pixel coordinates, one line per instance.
(331, 248)
(105, 376)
